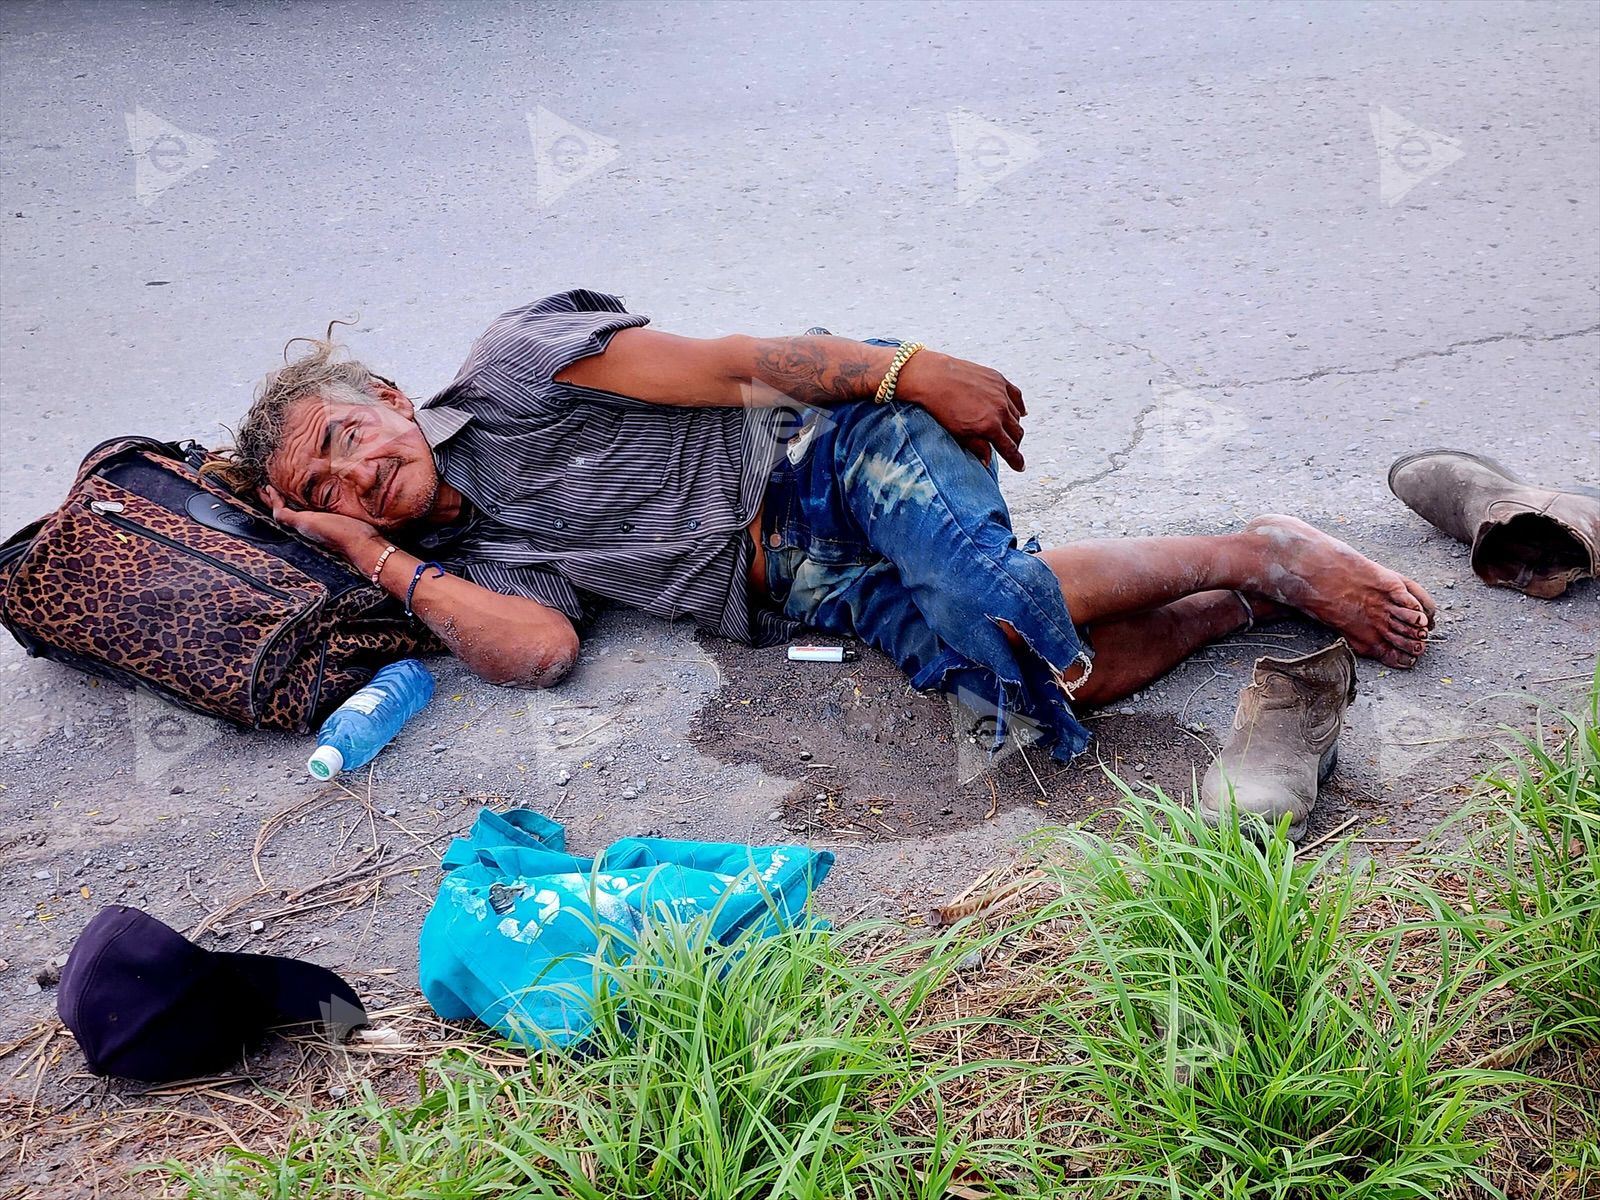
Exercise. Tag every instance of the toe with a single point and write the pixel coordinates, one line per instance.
(1402, 630)
(1367, 648)
(1405, 647)
(1430, 610)
(1404, 603)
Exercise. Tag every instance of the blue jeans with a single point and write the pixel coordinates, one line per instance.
(888, 529)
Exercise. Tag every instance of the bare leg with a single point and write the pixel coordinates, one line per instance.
(1383, 614)
(1134, 650)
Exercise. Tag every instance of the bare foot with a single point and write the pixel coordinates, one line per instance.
(1381, 613)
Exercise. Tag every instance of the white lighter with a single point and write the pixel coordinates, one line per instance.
(831, 654)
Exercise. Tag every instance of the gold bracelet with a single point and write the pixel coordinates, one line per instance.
(382, 558)
(901, 358)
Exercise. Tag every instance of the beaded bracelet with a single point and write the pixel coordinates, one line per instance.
(416, 576)
(382, 558)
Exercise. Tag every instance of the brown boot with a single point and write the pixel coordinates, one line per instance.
(1536, 540)
(1285, 738)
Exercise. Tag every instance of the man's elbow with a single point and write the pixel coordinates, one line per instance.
(555, 664)
(540, 666)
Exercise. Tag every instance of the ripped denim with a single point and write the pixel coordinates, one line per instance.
(879, 524)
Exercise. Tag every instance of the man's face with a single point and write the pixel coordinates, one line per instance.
(367, 461)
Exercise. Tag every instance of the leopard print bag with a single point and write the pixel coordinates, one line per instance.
(152, 575)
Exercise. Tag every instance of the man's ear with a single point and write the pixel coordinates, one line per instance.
(386, 393)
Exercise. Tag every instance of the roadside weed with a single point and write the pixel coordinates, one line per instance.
(1530, 875)
(763, 1068)
(1175, 1012)
(1239, 1042)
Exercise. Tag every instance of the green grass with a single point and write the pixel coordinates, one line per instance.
(1192, 1012)
(1575, 1159)
(1240, 1040)
(764, 1068)
(1530, 882)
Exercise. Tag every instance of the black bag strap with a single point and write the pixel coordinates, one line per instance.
(192, 452)
(14, 548)
(20, 540)
(137, 441)
(188, 451)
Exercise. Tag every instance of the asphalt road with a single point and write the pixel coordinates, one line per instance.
(1238, 257)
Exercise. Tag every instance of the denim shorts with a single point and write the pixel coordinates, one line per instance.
(879, 524)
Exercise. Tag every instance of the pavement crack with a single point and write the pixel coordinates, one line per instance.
(1404, 360)
(1117, 459)
(1079, 323)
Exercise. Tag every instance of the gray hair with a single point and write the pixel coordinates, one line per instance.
(323, 373)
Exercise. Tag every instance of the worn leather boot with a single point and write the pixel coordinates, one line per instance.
(1533, 539)
(1285, 738)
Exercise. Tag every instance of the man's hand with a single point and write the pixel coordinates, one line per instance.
(507, 640)
(979, 407)
(358, 543)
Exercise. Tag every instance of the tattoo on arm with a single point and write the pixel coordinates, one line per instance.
(820, 370)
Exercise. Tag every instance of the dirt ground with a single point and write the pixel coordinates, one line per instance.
(880, 762)
(660, 733)
(109, 796)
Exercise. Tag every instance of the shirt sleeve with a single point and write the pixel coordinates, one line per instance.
(524, 349)
(532, 582)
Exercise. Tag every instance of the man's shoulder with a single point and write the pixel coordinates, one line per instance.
(523, 348)
(573, 300)
(526, 346)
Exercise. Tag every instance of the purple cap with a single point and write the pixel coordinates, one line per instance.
(146, 1003)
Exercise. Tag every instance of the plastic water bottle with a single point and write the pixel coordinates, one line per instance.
(364, 724)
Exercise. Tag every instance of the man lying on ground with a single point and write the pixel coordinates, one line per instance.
(579, 459)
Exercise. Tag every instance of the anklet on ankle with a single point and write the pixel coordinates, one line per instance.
(1249, 613)
(1071, 689)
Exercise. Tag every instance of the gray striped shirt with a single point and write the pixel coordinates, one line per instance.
(581, 497)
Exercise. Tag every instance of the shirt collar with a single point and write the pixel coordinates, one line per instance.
(440, 424)
(444, 538)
